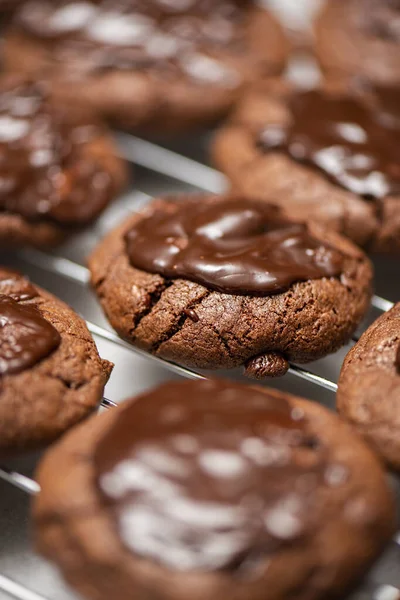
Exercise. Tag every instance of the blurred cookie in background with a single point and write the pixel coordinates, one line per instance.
(59, 168)
(360, 37)
(329, 154)
(157, 65)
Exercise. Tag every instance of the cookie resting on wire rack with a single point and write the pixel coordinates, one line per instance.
(51, 375)
(221, 282)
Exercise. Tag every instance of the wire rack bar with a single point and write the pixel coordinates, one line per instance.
(163, 161)
(15, 590)
(26, 484)
(313, 378)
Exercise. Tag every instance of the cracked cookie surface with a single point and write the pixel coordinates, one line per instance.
(190, 324)
(211, 489)
(42, 400)
(369, 386)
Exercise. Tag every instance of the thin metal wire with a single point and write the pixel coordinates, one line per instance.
(15, 590)
(171, 164)
(106, 403)
(313, 378)
(26, 484)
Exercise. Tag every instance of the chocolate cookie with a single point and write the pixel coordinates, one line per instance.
(209, 490)
(59, 168)
(323, 154)
(360, 37)
(218, 282)
(148, 64)
(51, 375)
(369, 386)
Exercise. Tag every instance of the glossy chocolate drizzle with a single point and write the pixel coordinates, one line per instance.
(26, 337)
(210, 475)
(344, 139)
(43, 173)
(169, 36)
(234, 246)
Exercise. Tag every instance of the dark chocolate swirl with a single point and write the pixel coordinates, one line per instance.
(26, 337)
(233, 246)
(343, 138)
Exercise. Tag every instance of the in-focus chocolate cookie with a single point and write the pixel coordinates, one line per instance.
(369, 386)
(360, 37)
(219, 282)
(59, 168)
(329, 154)
(149, 64)
(51, 375)
(210, 490)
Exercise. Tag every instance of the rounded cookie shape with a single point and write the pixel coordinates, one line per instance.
(360, 37)
(369, 386)
(211, 489)
(328, 154)
(161, 66)
(59, 166)
(219, 282)
(51, 376)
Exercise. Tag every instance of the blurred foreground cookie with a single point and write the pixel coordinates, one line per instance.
(369, 386)
(330, 154)
(150, 64)
(209, 490)
(360, 37)
(58, 168)
(51, 375)
(219, 282)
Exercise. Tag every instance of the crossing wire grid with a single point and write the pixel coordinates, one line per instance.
(159, 168)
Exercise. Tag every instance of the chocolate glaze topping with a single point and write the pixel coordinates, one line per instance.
(43, 174)
(169, 36)
(25, 336)
(210, 475)
(233, 246)
(344, 139)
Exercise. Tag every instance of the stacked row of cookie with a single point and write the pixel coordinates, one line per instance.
(200, 489)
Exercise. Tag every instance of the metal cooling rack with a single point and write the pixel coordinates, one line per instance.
(67, 266)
